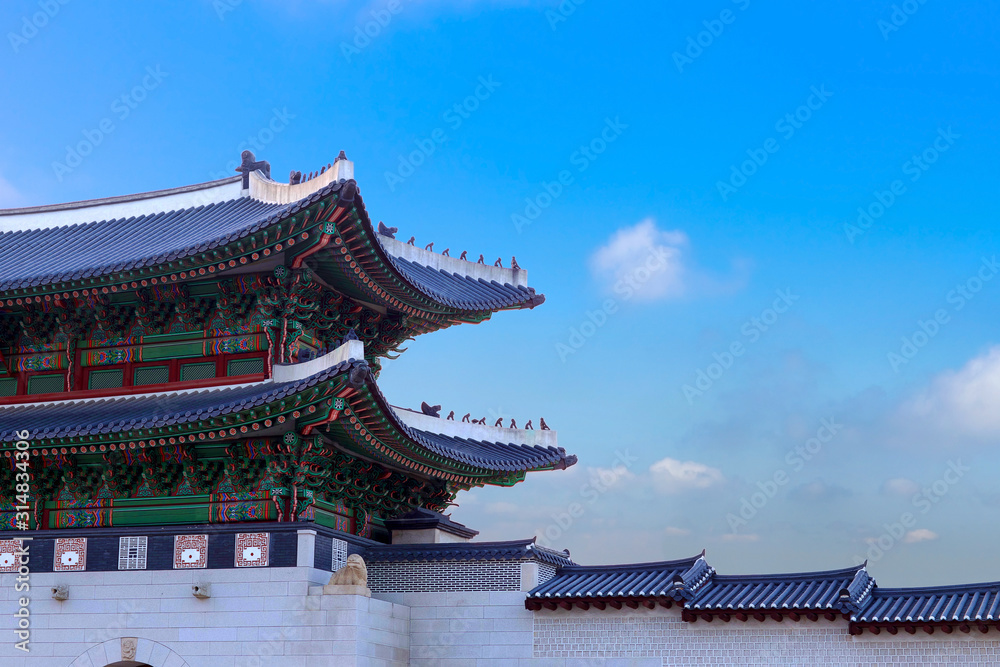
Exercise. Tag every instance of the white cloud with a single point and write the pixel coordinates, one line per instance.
(740, 537)
(673, 476)
(966, 401)
(608, 478)
(919, 535)
(642, 262)
(673, 531)
(900, 486)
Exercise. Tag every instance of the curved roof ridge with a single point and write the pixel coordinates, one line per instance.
(458, 546)
(242, 220)
(949, 588)
(545, 455)
(421, 280)
(820, 574)
(86, 211)
(639, 566)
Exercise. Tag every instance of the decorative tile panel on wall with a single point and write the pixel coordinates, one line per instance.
(190, 551)
(70, 554)
(10, 558)
(545, 572)
(132, 553)
(252, 549)
(339, 554)
(408, 577)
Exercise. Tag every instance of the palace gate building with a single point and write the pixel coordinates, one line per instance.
(193, 438)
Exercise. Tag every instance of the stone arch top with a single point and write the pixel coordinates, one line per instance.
(129, 652)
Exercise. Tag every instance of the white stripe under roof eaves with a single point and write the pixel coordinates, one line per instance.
(152, 394)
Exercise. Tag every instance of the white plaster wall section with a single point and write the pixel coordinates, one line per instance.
(488, 272)
(112, 208)
(352, 349)
(428, 536)
(273, 192)
(470, 431)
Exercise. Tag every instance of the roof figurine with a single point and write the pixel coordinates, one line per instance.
(248, 164)
(387, 231)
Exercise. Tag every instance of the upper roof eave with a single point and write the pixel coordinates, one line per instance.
(119, 199)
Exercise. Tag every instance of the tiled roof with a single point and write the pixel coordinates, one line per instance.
(506, 456)
(664, 579)
(81, 417)
(468, 551)
(126, 413)
(969, 603)
(43, 256)
(499, 456)
(463, 292)
(842, 590)
(705, 594)
(694, 582)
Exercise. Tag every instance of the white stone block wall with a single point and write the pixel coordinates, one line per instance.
(493, 629)
(608, 637)
(468, 629)
(267, 617)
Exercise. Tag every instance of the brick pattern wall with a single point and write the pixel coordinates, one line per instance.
(444, 576)
(661, 634)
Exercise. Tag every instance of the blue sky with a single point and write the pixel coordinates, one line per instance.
(742, 360)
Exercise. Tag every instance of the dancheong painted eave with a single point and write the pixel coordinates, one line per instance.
(68, 251)
(299, 396)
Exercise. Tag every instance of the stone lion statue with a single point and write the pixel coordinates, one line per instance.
(354, 573)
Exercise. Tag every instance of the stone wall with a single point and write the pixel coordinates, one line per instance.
(277, 616)
(493, 629)
(255, 616)
(468, 629)
(659, 637)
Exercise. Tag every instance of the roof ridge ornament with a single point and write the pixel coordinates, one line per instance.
(430, 410)
(251, 163)
(387, 231)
